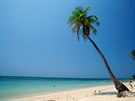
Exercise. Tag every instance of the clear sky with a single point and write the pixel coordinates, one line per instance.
(37, 41)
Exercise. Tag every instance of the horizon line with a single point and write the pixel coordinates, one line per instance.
(63, 77)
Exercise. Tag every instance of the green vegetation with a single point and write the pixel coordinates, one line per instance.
(82, 22)
(84, 25)
(133, 54)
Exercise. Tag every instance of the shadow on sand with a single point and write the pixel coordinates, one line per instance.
(106, 93)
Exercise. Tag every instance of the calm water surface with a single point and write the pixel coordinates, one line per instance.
(13, 86)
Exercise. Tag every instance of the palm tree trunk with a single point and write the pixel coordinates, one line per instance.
(118, 85)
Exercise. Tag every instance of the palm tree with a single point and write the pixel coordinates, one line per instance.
(133, 57)
(83, 25)
(133, 54)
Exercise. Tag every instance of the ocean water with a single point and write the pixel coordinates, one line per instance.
(15, 87)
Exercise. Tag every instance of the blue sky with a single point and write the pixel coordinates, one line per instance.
(37, 41)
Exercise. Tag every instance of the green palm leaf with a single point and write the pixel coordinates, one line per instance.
(86, 10)
(93, 19)
(133, 54)
(74, 29)
(93, 29)
(81, 21)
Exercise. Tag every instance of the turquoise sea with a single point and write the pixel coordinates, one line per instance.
(15, 86)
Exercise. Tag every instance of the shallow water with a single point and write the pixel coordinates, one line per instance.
(11, 87)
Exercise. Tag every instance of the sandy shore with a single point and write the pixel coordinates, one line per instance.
(101, 93)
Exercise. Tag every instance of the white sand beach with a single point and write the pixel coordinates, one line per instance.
(100, 93)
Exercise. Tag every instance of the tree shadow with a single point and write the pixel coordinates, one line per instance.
(106, 93)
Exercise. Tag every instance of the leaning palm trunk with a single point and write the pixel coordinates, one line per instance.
(82, 21)
(118, 85)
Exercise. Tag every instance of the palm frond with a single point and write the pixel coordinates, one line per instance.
(81, 16)
(93, 29)
(78, 33)
(82, 22)
(74, 29)
(75, 17)
(86, 10)
(133, 54)
(77, 11)
(93, 16)
(79, 8)
(72, 20)
(93, 19)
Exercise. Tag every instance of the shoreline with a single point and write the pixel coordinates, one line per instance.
(99, 93)
(51, 92)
